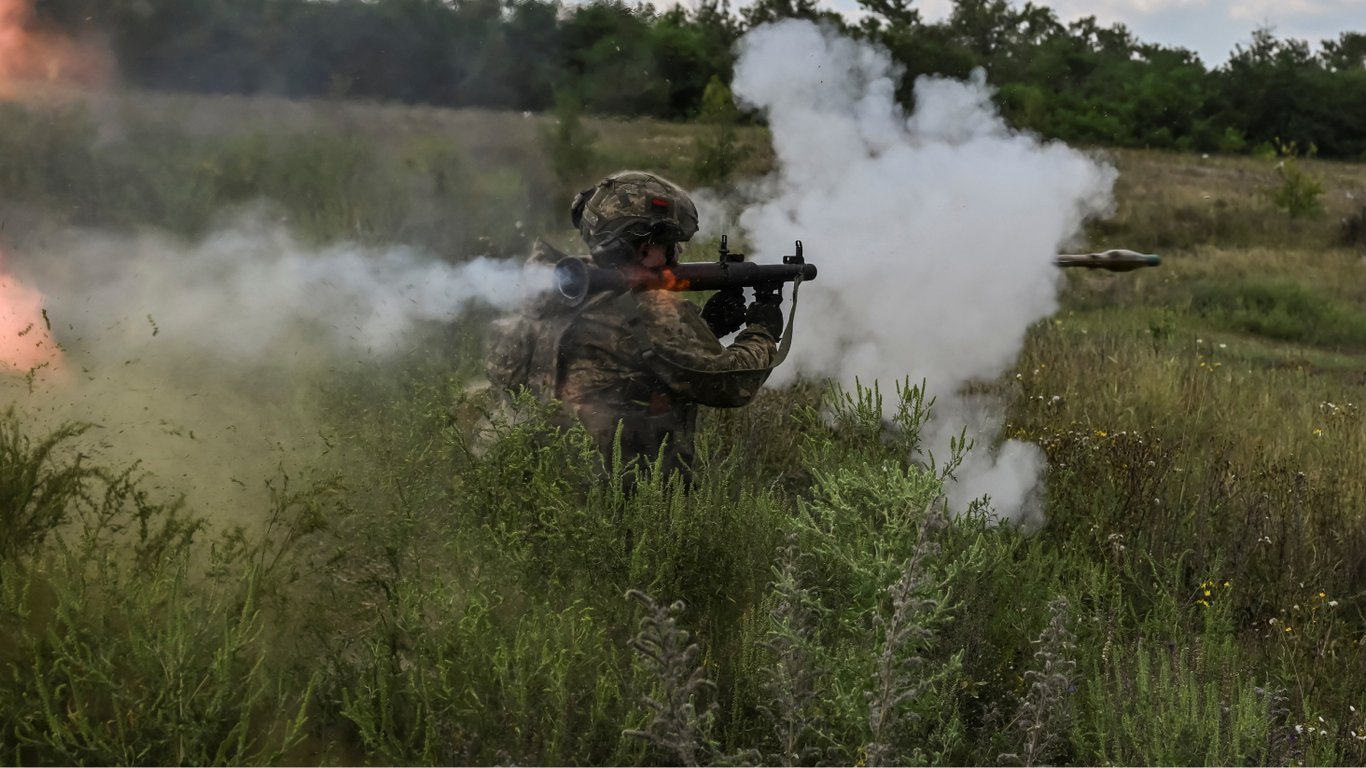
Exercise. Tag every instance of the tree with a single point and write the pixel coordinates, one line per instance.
(1346, 54)
(766, 11)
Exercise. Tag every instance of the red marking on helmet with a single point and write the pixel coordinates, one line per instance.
(659, 202)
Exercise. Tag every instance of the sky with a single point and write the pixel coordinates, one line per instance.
(1210, 28)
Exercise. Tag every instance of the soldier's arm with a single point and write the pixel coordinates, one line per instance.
(693, 364)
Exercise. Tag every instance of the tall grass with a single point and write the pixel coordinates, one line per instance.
(449, 583)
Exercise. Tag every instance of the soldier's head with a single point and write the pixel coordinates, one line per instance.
(626, 215)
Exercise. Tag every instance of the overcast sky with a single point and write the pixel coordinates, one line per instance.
(1211, 28)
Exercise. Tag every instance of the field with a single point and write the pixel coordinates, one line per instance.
(405, 571)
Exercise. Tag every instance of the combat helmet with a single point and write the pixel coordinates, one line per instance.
(630, 207)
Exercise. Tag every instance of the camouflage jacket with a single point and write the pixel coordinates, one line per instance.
(640, 362)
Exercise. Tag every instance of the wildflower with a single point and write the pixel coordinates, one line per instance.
(1318, 432)
(1332, 603)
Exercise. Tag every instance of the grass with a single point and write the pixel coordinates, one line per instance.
(448, 583)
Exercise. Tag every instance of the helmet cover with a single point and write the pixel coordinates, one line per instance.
(629, 208)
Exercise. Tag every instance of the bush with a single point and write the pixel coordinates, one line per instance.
(719, 151)
(1280, 309)
(1297, 192)
(569, 143)
(1353, 232)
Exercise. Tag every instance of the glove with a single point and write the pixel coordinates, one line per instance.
(725, 312)
(766, 311)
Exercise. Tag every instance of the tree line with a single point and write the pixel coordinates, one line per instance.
(1080, 81)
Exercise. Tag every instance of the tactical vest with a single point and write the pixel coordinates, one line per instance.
(524, 347)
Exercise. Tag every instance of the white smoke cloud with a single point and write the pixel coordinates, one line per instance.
(247, 289)
(934, 232)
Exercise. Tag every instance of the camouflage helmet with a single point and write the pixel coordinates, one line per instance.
(630, 207)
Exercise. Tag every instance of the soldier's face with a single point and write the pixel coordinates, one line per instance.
(654, 255)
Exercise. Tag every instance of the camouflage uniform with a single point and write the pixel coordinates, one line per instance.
(638, 362)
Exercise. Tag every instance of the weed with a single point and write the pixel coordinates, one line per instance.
(1042, 720)
(680, 723)
(38, 488)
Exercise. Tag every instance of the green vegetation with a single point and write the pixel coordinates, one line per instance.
(452, 583)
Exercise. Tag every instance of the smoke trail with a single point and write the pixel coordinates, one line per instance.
(934, 231)
(248, 292)
(202, 361)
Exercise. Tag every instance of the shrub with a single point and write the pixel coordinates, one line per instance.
(1297, 191)
(570, 144)
(1282, 309)
(719, 151)
(1353, 231)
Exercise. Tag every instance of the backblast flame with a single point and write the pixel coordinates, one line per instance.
(26, 343)
(32, 56)
(670, 280)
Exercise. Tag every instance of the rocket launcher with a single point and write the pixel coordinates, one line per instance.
(577, 279)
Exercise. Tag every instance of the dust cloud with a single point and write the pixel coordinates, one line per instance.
(203, 360)
(934, 232)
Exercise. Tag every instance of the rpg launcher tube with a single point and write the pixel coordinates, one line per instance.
(1114, 260)
(576, 279)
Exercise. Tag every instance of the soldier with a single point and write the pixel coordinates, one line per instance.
(636, 365)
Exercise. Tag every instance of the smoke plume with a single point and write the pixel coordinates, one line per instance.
(934, 232)
(202, 360)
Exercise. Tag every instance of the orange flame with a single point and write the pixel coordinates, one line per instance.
(32, 56)
(670, 280)
(26, 343)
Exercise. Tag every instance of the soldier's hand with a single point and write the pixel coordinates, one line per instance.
(725, 311)
(766, 311)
